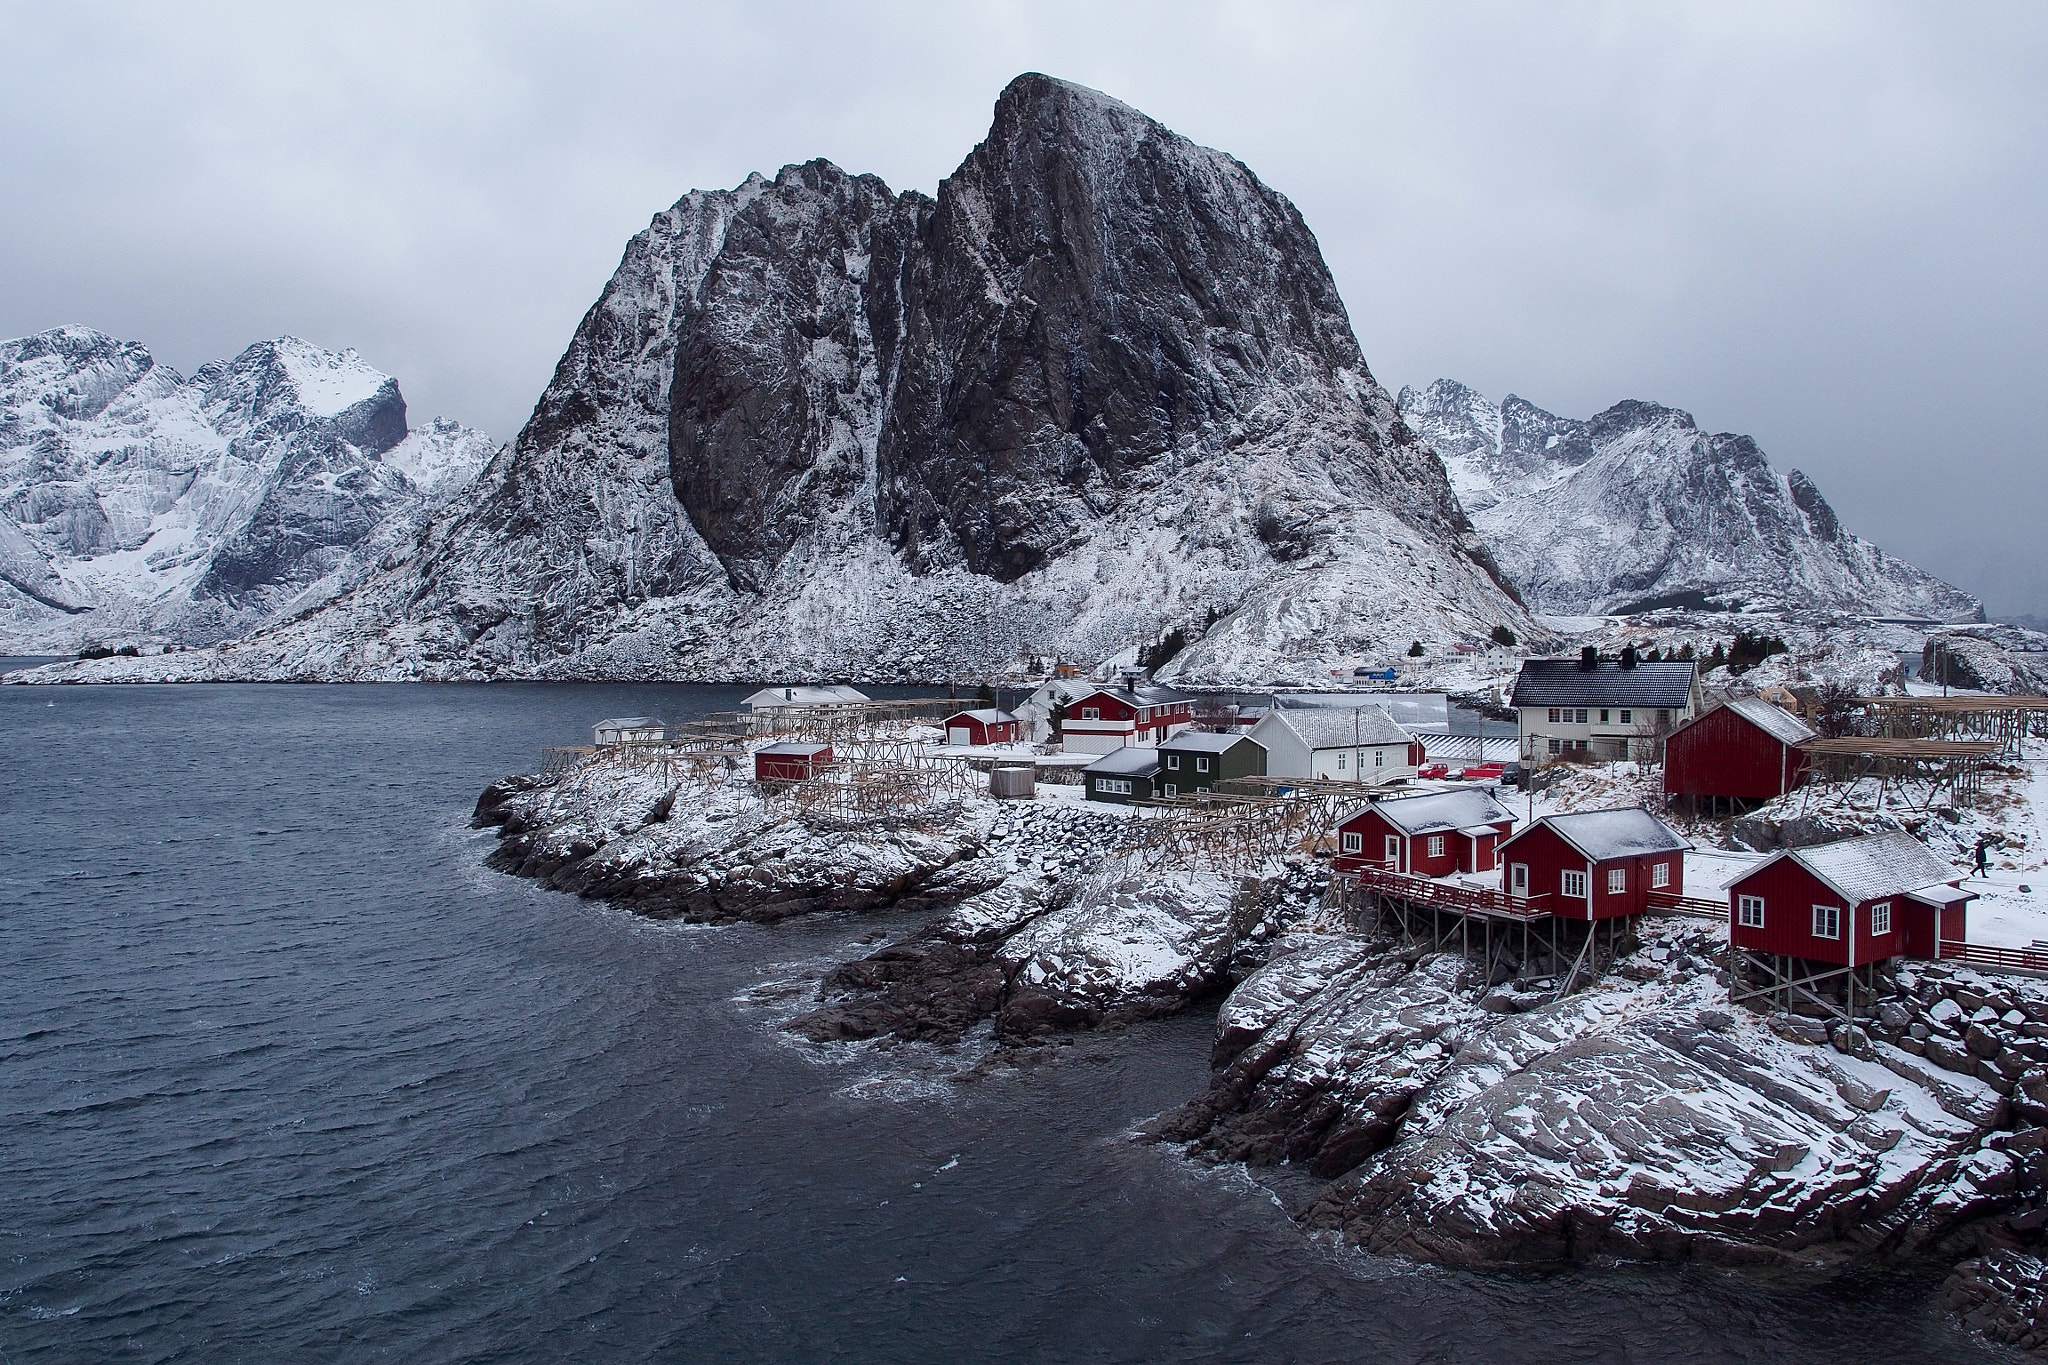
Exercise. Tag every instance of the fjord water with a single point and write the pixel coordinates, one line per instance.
(285, 1075)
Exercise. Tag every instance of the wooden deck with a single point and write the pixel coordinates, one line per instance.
(1454, 898)
(1994, 957)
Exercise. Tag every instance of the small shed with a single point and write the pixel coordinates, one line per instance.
(1596, 864)
(791, 762)
(630, 730)
(1123, 775)
(985, 725)
(1433, 835)
(1743, 751)
(1196, 760)
(1849, 903)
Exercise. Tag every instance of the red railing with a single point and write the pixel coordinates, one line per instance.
(1991, 955)
(1455, 897)
(1671, 903)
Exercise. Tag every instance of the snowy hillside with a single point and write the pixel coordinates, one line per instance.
(1637, 508)
(1099, 388)
(137, 505)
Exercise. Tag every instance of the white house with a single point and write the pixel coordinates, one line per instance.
(766, 704)
(630, 730)
(1347, 743)
(1035, 713)
(1601, 711)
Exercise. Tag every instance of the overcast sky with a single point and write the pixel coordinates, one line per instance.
(1821, 225)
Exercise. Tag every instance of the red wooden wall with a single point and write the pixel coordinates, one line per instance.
(1724, 754)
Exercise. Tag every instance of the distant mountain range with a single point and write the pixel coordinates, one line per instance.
(139, 505)
(1637, 508)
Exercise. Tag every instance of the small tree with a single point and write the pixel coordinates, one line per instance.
(1503, 637)
(1058, 720)
(1685, 653)
(1718, 657)
(986, 695)
(1415, 651)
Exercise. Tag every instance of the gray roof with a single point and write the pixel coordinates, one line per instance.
(792, 746)
(1459, 810)
(632, 723)
(1133, 760)
(1873, 866)
(1144, 694)
(987, 715)
(1564, 682)
(1204, 742)
(1603, 834)
(1772, 719)
(795, 694)
(1331, 727)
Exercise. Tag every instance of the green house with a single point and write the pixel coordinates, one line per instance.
(1123, 775)
(1194, 761)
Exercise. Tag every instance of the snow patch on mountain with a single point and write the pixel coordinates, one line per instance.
(1637, 508)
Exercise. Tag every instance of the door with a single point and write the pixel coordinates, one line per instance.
(1393, 853)
(958, 735)
(1518, 880)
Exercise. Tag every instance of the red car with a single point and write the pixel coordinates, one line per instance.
(1433, 770)
(1485, 772)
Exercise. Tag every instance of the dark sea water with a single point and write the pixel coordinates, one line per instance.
(286, 1076)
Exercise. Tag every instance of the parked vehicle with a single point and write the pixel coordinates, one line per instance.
(1433, 770)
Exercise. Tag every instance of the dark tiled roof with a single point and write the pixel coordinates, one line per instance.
(1134, 760)
(1565, 682)
(1198, 741)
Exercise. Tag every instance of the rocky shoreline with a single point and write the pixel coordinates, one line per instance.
(1446, 1112)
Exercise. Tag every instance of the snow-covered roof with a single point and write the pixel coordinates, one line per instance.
(827, 694)
(1567, 682)
(1459, 810)
(1143, 694)
(793, 746)
(632, 723)
(1772, 719)
(1411, 710)
(1869, 867)
(1203, 742)
(1133, 760)
(1941, 896)
(1330, 727)
(1629, 832)
(987, 715)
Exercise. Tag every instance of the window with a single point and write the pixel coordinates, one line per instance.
(1436, 845)
(1749, 911)
(1340, 763)
(1617, 880)
(1603, 715)
(1091, 713)
(1173, 762)
(1113, 786)
(1660, 874)
(1582, 715)
(1354, 843)
(1393, 850)
(1172, 790)
(1827, 921)
(1556, 747)
(1518, 879)
(1579, 745)
(1881, 918)
(1553, 715)
(1663, 715)
(1574, 884)
(1144, 715)
(1201, 763)
(1628, 718)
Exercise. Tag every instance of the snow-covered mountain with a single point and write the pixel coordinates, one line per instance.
(1638, 508)
(1100, 387)
(138, 505)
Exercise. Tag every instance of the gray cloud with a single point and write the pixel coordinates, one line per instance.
(1817, 224)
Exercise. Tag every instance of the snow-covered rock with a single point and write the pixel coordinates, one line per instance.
(137, 505)
(1099, 387)
(1637, 508)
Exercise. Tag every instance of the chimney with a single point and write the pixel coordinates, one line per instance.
(1589, 658)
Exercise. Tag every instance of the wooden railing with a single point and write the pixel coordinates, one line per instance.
(1991, 955)
(1672, 903)
(1455, 897)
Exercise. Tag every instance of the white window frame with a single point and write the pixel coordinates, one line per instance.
(1617, 880)
(1556, 746)
(1553, 715)
(1091, 713)
(1827, 921)
(1571, 884)
(1518, 880)
(1628, 717)
(1660, 876)
(1393, 847)
(1113, 786)
(1171, 790)
(1581, 713)
(1340, 762)
(1173, 762)
(1354, 842)
(1436, 845)
(1603, 715)
(1201, 763)
(1749, 912)
(1881, 918)
(1379, 758)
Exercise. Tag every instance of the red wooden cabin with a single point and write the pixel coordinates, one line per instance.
(985, 725)
(791, 762)
(1849, 903)
(1596, 864)
(1744, 750)
(1426, 836)
(1111, 717)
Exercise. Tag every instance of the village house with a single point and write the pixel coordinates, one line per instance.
(1595, 865)
(1109, 718)
(1123, 775)
(1344, 743)
(791, 762)
(1195, 761)
(1035, 712)
(1603, 710)
(767, 704)
(1432, 835)
(1740, 753)
(984, 725)
(1850, 903)
(630, 730)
